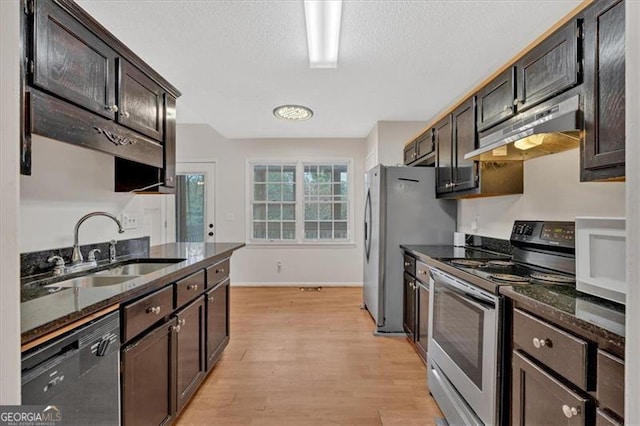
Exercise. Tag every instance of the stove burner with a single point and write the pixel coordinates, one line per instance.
(508, 278)
(552, 278)
(466, 262)
(500, 263)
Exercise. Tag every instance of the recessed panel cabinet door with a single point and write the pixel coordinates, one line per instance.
(604, 109)
(422, 333)
(495, 100)
(540, 399)
(444, 166)
(464, 137)
(148, 378)
(140, 102)
(549, 68)
(71, 62)
(409, 317)
(217, 322)
(190, 358)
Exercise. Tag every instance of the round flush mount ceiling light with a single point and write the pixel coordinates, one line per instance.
(292, 112)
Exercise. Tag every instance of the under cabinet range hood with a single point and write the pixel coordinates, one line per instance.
(553, 126)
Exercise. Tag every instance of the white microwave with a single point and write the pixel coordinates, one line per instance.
(601, 257)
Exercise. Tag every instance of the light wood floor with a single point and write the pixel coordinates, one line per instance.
(309, 358)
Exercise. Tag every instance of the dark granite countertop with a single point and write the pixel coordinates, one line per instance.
(598, 319)
(436, 252)
(45, 309)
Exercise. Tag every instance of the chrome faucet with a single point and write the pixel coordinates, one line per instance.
(76, 256)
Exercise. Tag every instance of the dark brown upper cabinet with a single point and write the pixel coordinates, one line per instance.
(463, 121)
(421, 150)
(549, 68)
(603, 149)
(69, 61)
(495, 100)
(83, 86)
(140, 102)
(410, 153)
(443, 137)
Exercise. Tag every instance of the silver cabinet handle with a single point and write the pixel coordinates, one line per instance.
(422, 272)
(153, 310)
(570, 411)
(516, 100)
(125, 114)
(176, 328)
(407, 263)
(540, 343)
(211, 298)
(220, 271)
(192, 287)
(112, 108)
(182, 322)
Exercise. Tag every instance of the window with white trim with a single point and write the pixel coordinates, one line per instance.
(300, 202)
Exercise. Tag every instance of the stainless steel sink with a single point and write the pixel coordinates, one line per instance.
(133, 269)
(93, 280)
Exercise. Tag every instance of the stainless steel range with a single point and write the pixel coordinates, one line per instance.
(466, 317)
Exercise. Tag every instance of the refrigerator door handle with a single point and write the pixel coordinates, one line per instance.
(367, 225)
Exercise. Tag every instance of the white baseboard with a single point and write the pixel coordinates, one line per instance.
(296, 284)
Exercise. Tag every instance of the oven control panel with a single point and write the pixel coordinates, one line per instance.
(544, 233)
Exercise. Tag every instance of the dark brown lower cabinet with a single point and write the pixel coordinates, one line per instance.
(409, 315)
(217, 300)
(190, 360)
(422, 320)
(149, 377)
(604, 419)
(538, 398)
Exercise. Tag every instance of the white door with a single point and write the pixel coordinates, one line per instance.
(195, 202)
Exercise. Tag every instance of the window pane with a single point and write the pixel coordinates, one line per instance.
(310, 174)
(274, 192)
(340, 211)
(289, 192)
(259, 192)
(324, 189)
(259, 212)
(340, 230)
(288, 212)
(326, 230)
(325, 173)
(289, 174)
(310, 211)
(274, 212)
(340, 190)
(311, 230)
(340, 173)
(288, 230)
(273, 230)
(310, 190)
(324, 211)
(274, 174)
(259, 230)
(259, 173)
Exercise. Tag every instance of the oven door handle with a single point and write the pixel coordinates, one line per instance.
(459, 288)
(476, 301)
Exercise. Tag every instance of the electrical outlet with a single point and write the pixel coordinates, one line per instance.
(279, 265)
(475, 223)
(129, 220)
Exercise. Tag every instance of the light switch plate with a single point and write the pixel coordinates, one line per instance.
(129, 220)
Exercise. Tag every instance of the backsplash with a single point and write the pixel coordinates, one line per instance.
(487, 243)
(35, 262)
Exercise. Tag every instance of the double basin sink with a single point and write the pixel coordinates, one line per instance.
(117, 274)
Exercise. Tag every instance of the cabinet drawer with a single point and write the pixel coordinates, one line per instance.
(189, 287)
(409, 264)
(422, 271)
(610, 387)
(217, 273)
(562, 352)
(143, 313)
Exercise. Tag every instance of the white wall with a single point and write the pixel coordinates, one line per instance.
(632, 357)
(68, 182)
(9, 155)
(552, 191)
(307, 265)
(385, 143)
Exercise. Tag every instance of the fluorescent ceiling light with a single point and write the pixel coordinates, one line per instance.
(293, 112)
(323, 32)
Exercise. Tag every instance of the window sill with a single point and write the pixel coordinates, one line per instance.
(332, 245)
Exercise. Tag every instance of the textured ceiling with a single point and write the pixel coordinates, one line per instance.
(234, 61)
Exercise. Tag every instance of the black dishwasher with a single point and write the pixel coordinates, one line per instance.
(78, 373)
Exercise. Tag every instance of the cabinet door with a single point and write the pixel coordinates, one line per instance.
(495, 100)
(409, 298)
(424, 143)
(464, 138)
(169, 169)
(422, 332)
(549, 68)
(604, 89)
(148, 378)
(71, 62)
(140, 102)
(217, 322)
(190, 366)
(539, 399)
(444, 166)
(410, 153)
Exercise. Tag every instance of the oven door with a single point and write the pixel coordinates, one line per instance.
(463, 341)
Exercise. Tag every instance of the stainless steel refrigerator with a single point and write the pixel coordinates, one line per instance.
(400, 208)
